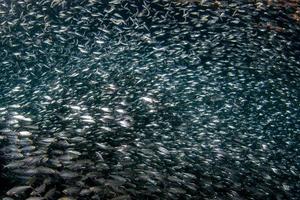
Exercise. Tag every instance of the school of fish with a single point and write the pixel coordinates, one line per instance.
(152, 99)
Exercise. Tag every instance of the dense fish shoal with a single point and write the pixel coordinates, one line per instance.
(157, 99)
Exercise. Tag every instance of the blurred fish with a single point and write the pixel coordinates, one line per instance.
(15, 191)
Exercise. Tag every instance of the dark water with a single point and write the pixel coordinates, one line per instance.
(150, 99)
